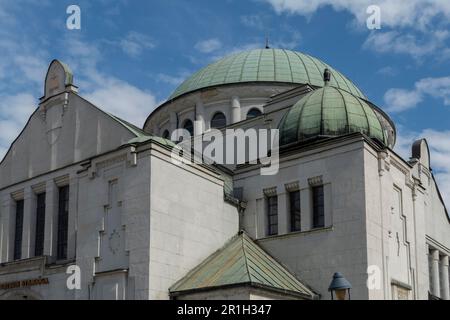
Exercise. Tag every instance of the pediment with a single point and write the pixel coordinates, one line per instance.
(64, 130)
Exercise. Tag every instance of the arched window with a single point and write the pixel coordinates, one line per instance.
(253, 113)
(218, 121)
(189, 126)
(166, 134)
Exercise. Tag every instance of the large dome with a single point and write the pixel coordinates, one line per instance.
(330, 112)
(265, 65)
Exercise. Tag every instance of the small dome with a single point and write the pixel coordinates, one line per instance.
(330, 112)
(265, 65)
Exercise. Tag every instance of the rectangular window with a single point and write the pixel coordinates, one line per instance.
(18, 230)
(40, 225)
(63, 223)
(318, 207)
(294, 206)
(272, 210)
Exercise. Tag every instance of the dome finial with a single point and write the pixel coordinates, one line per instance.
(327, 76)
(267, 42)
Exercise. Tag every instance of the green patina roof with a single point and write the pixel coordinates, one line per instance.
(329, 112)
(241, 261)
(265, 65)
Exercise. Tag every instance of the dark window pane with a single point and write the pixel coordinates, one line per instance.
(40, 225)
(272, 210)
(63, 222)
(189, 126)
(219, 120)
(253, 113)
(318, 207)
(294, 201)
(18, 230)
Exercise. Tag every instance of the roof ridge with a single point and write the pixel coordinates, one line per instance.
(304, 65)
(346, 110)
(135, 129)
(289, 64)
(242, 235)
(369, 130)
(138, 132)
(279, 268)
(205, 261)
(241, 261)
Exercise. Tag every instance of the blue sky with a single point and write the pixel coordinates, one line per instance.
(130, 55)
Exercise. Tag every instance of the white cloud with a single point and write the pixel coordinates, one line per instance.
(291, 42)
(253, 21)
(135, 43)
(418, 14)
(208, 46)
(20, 62)
(421, 25)
(32, 67)
(439, 143)
(435, 87)
(411, 44)
(111, 94)
(107, 92)
(14, 113)
(398, 100)
(123, 100)
(388, 71)
(291, 39)
(23, 65)
(173, 80)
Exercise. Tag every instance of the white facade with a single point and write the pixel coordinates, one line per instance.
(137, 222)
(131, 210)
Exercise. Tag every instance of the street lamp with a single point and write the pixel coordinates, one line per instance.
(340, 286)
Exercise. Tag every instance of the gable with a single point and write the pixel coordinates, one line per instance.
(64, 129)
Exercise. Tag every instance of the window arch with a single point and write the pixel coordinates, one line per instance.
(253, 113)
(189, 126)
(218, 120)
(166, 134)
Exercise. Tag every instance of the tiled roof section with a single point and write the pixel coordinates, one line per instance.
(241, 261)
(265, 65)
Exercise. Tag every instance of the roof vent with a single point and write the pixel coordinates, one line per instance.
(327, 76)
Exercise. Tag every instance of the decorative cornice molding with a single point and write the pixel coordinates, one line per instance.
(270, 192)
(399, 166)
(315, 181)
(292, 186)
(18, 195)
(62, 181)
(39, 188)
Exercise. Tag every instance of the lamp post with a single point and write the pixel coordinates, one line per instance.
(340, 287)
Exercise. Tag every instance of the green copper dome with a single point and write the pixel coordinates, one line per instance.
(265, 65)
(329, 112)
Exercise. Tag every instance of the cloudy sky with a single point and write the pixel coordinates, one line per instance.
(130, 55)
